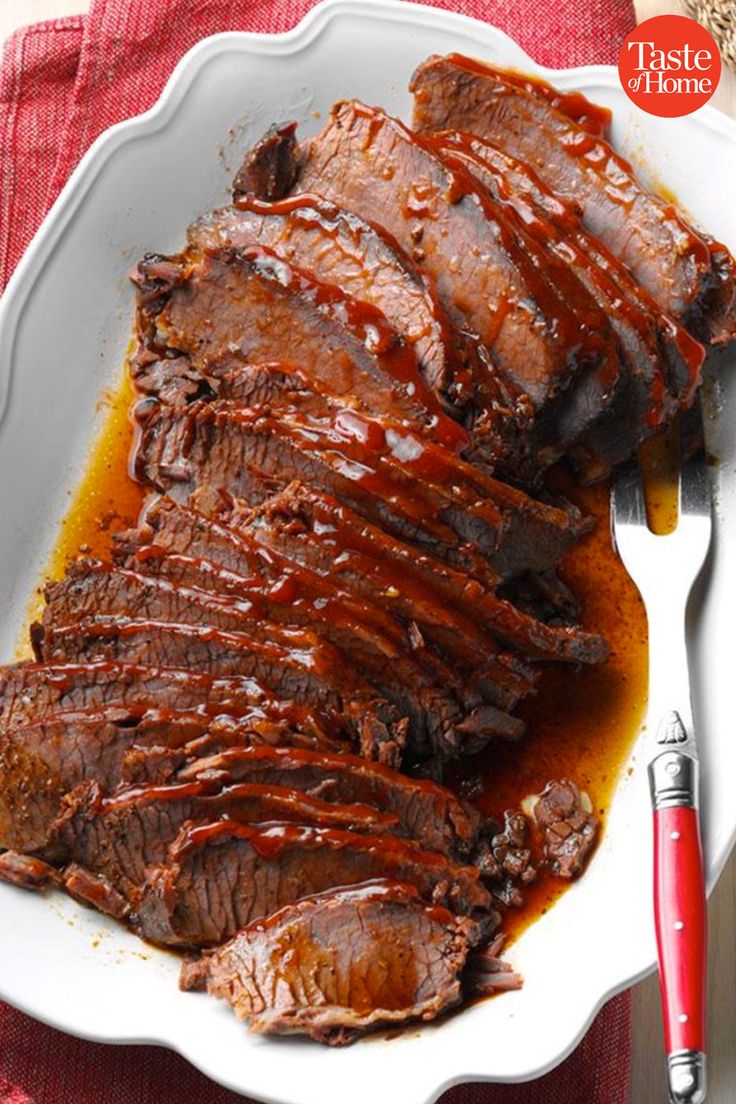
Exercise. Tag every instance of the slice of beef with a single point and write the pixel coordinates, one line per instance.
(29, 692)
(496, 413)
(584, 397)
(641, 404)
(301, 667)
(291, 597)
(225, 445)
(517, 532)
(222, 876)
(189, 547)
(409, 672)
(97, 587)
(425, 591)
(171, 528)
(245, 452)
(722, 301)
(311, 968)
(426, 811)
(185, 539)
(43, 760)
(490, 276)
(391, 657)
(119, 836)
(690, 278)
(158, 762)
(128, 639)
(680, 354)
(232, 305)
(440, 723)
(593, 117)
(564, 816)
(308, 527)
(340, 248)
(390, 466)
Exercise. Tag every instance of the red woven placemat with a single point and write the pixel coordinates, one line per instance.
(61, 84)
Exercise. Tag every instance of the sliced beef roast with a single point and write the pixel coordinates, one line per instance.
(389, 655)
(418, 586)
(440, 720)
(488, 273)
(340, 248)
(303, 667)
(41, 762)
(641, 404)
(226, 446)
(119, 836)
(427, 812)
(515, 531)
(188, 547)
(44, 759)
(269, 543)
(638, 321)
(227, 738)
(30, 692)
(230, 305)
(691, 278)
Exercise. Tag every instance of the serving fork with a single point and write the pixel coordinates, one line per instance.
(664, 569)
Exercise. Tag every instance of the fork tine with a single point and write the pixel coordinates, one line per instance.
(627, 496)
(695, 487)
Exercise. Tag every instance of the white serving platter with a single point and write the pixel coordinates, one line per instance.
(64, 326)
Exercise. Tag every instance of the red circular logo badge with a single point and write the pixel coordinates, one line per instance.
(669, 66)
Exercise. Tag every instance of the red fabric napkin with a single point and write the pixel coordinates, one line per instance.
(61, 84)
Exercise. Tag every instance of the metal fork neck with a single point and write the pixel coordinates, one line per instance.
(669, 672)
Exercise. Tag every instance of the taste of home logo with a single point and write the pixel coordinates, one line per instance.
(669, 66)
(657, 71)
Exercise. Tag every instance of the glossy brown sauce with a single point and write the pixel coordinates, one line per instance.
(659, 458)
(581, 724)
(106, 500)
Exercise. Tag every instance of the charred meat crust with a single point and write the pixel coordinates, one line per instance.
(270, 171)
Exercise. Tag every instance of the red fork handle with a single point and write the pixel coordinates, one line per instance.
(680, 919)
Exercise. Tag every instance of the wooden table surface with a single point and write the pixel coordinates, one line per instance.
(647, 1073)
